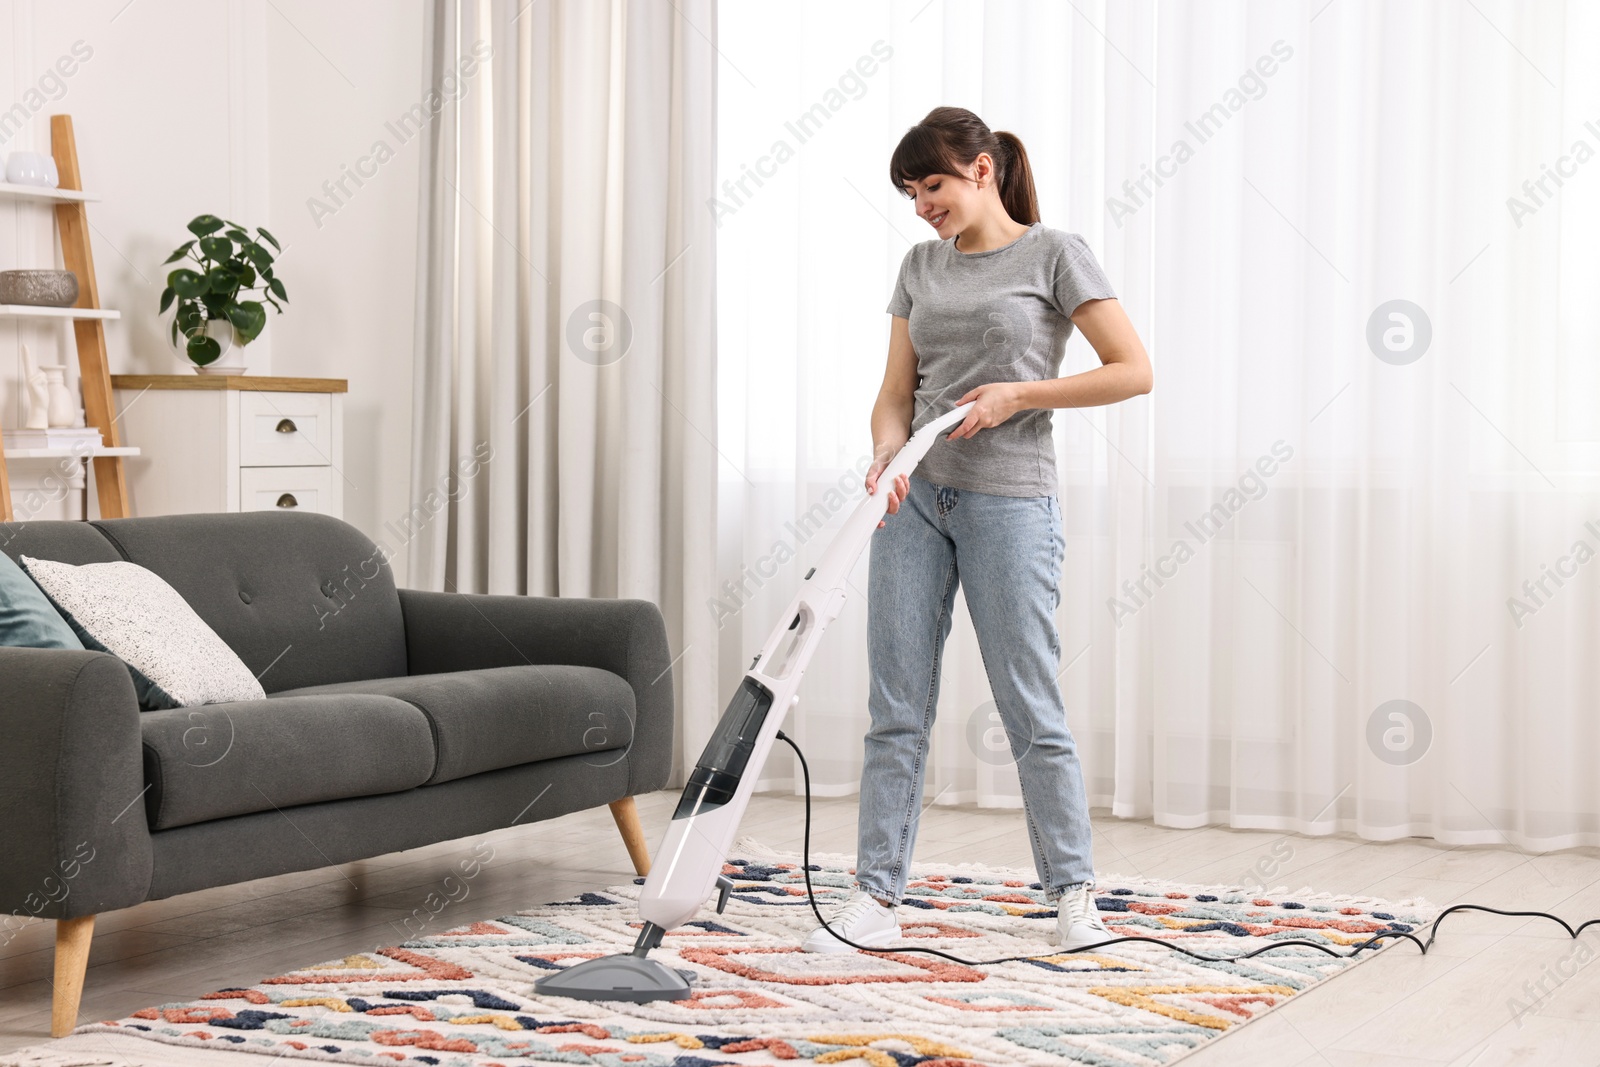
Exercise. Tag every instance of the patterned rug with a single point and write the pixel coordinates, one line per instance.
(464, 997)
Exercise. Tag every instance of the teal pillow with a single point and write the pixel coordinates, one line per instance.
(27, 619)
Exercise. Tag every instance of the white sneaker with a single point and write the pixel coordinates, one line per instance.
(860, 918)
(1078, 920)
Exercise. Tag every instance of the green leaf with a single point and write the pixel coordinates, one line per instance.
(221, 280)
(217, 247)
(201, 225)
(187, 282)
(188, 317)
(274, 303)
(166, 299)
(249, 318)
(182, 251)
(262, 231)
(203, 350)
(277, 289)
(174, 331)
(258, 255)
(237, 234)
(246, 276)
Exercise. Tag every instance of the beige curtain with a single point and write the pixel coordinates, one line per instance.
(564, 416)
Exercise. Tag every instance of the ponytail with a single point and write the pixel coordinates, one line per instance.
(948, 140)
(1016, 180)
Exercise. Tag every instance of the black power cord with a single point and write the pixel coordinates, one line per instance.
(1433, 930)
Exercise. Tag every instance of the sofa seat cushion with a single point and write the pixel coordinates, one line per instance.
(484, 720)
(220, 760)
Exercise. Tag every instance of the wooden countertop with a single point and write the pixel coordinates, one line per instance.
(251, 382)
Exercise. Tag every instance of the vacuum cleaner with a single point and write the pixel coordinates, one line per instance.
(689, 863)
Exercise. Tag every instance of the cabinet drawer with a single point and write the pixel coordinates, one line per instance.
(289, 488)
(285, 429)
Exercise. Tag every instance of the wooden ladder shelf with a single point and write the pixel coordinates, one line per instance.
(94, 372)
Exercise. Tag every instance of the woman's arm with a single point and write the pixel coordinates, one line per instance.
(1124, 372)
(892, 412)
(1125, 366)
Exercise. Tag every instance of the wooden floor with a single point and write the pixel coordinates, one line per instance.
(1402, 1008)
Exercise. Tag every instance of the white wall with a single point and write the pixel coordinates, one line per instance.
(242, 109)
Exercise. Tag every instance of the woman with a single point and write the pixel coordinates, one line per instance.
(982, 314)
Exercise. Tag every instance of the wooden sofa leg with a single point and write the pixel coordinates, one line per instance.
(72, 959)
(627, 817)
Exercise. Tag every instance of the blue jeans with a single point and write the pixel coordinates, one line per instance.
(1006, 553)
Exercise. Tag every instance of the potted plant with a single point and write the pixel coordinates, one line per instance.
(211, 318)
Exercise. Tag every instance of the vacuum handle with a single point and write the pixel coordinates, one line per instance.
(839, 558)
(905, 461)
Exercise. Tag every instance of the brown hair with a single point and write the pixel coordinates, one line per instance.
(947, 141)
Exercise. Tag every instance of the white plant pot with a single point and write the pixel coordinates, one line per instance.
(232, 360)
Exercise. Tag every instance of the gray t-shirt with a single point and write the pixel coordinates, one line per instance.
(996, 316)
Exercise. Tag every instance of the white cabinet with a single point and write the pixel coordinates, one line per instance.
(306, 488)
(223, 443)
(285, 429)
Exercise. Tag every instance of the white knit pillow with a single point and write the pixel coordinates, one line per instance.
(122, 608)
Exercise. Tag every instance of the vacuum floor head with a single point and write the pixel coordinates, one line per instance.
(620, 977)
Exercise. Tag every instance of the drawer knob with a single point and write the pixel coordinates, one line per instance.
(287, 500)
(287, 426)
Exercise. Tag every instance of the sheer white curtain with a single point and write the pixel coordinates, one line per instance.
(1336, 573)
(565, 354)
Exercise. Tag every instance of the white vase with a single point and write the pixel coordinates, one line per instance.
(62, 408)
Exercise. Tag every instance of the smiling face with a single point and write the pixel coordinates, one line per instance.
(949, 202)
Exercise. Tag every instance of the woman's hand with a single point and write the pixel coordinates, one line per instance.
(897, 492)
(995, 403)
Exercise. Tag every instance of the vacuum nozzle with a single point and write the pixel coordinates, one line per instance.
(625, 976)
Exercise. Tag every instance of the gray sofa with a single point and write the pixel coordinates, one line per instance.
(394, 718)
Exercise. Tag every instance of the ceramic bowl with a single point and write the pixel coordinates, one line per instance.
(39, 288)
(32, 168)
